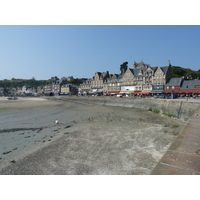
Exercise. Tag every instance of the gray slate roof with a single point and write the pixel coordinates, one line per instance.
(88, 81)
(190, 84)
(175, 82)
(137, 70)
(154, 68)
(165, 68)
(119, 77)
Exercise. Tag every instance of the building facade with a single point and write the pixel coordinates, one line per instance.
(141, 79)
(85, 87)
(97, 82)
(112, 85)
(69, 89)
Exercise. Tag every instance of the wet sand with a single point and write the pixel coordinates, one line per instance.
(89, 139)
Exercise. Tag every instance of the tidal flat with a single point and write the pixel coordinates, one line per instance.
(88, 139)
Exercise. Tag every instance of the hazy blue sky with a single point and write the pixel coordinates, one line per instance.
(80, 51)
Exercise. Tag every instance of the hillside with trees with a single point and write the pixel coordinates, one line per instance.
(187, 73)
(76, 81)
(14, 83)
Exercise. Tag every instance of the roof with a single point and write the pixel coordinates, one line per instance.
(190, 85)
(140, 65)
(164, 69)
(111, 79)
(117, 75)
(88, 81)
(154, 68)
(137, 70)
(103, 74)
(175, 82)
(131, 70)
(120, 76)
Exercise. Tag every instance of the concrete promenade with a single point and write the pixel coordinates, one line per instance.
(183, 156)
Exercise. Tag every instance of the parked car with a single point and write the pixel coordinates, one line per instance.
(169, 96)
(166, 96)
(12, 98)
(160, 96)
(119, 95)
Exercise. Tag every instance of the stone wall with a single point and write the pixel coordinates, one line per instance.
(180, 109)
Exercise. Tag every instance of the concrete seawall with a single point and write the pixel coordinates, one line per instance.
(177, 108)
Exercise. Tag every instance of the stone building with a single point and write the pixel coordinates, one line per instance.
(144, 79)
(191, 87)
(112, 85)
(56, 86)
(85, 87)
(128, 83)
(128, 77)
(69, 89)
(148, 79)
(97, 82)
(161, 77)
(47, 89)
(40, 89)
(174, 85)
(141, 79)
(137, 79)
(140, 65)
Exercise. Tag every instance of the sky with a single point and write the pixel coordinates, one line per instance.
(44, 51)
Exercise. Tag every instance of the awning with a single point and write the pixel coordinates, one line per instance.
(142, 92)
(170, 91)
(157, 91)
(137, 92)
(113, 92)
(190, 91)
(145, 92)
(125, 92)
(182, 91)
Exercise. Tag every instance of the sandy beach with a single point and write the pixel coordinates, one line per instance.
(89, 139)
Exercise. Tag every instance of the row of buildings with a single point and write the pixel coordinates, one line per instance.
(142, 79)
(56, 86)
(48, 90)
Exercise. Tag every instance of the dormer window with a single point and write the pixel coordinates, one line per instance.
(140, 73)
